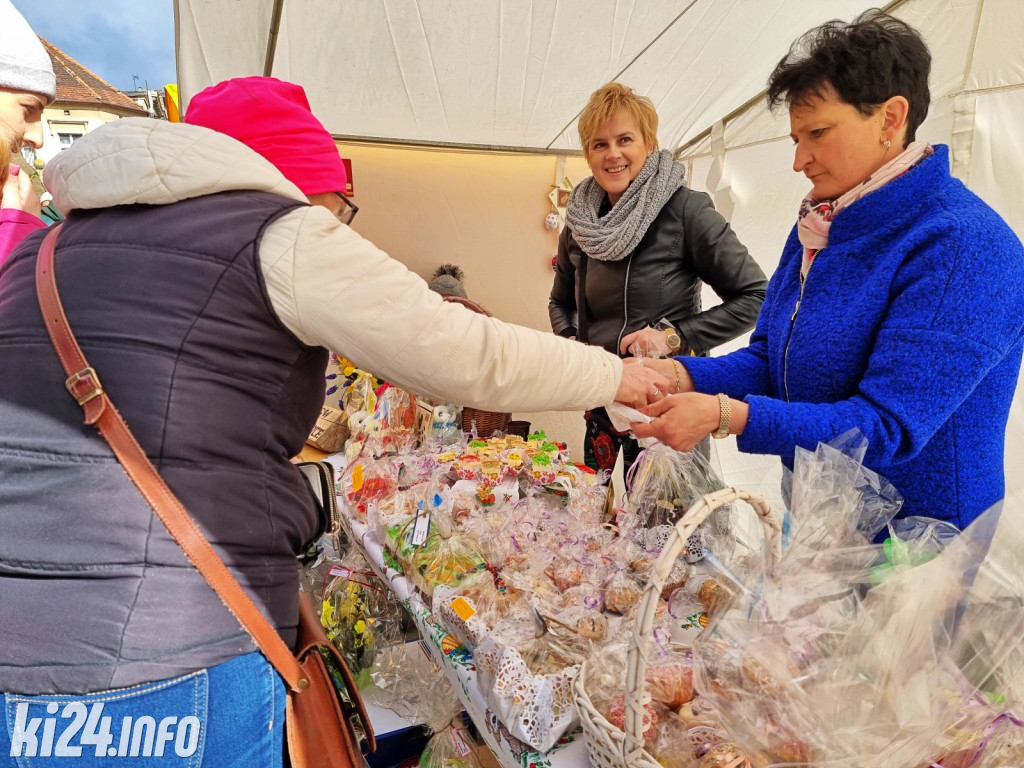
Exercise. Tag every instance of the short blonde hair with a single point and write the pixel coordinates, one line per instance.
(609, 99)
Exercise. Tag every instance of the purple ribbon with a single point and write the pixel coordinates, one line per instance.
(989, 730)
(668, 602)
(617, 570)
(632, 469)
(658, 634)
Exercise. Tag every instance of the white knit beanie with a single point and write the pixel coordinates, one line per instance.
(24, 63)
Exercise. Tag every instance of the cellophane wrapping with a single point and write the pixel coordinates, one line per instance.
(408, 682)
(339, 376)
(988, 648)
(663, 484)
(358, 613)
(846, 656)
(390, 428)
(526, 669)
(445, 557)
(451, 747)
(367, 480)
(358, 400)
(314, 575)
(668, 687)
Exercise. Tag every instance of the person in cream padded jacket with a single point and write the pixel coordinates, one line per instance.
(206, 275)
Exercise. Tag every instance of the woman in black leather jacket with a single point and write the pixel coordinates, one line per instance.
(636, 250)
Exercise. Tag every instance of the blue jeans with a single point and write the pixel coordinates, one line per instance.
(228, 715)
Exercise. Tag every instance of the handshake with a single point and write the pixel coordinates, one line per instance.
(641, 385)
(662, 390)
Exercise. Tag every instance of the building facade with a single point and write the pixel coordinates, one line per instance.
(84, 102)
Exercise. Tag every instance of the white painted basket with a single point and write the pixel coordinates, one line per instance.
(607, 745)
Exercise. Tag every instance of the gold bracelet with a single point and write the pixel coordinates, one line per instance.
(724, 417)
(679, 370)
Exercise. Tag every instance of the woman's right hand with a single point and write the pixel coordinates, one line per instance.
(647, 342)
(671, 369)
(19, 194)
(680, 421)
(640, 385)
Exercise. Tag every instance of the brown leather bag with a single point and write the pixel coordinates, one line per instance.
(319, 730)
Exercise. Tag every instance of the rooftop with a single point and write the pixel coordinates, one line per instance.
(77, 85)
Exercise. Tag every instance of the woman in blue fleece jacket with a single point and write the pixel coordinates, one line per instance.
(898, 304)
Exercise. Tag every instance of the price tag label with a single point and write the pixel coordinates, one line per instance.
(420, 528)
(340, 570)
(462, 608)
(357, 477)
(460, 741)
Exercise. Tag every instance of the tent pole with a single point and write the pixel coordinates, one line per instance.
(177, 60)
(275, 27)
(451, 146)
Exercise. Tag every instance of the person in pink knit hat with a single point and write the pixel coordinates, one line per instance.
(27, 84)
(206, 269)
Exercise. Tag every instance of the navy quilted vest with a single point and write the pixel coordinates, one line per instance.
(169, 306)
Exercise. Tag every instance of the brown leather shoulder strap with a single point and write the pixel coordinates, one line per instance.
(84, 385)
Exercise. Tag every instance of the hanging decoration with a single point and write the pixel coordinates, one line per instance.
(559, 197)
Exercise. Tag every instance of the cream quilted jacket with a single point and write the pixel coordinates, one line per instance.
(330, 286)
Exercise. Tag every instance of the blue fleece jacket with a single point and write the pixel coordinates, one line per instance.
(910, 328)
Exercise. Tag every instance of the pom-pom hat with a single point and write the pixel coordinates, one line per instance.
(273, 118)
(447, 280)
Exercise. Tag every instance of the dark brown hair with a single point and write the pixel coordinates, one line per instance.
(866, 61)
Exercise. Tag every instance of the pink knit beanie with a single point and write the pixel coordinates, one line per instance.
(273, 118)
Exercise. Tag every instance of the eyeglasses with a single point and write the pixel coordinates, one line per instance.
(348, 209)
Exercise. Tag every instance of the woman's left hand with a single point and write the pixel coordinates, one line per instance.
(681, 421)
(647, 342)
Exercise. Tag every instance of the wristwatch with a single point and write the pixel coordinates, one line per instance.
(675, 342)
(672, 337)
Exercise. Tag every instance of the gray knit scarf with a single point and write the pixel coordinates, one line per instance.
(615, 235)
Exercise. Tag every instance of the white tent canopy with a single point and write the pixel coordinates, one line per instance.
(498, 75)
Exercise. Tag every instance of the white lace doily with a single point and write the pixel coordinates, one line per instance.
(537, 709)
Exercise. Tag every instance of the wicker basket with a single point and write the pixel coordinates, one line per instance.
(487, 422)
(607, 745)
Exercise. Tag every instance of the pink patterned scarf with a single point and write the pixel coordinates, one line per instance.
(816, 216)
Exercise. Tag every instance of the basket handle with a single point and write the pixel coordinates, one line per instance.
(636, 658)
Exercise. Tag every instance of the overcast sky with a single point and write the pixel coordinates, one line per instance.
(114, 38)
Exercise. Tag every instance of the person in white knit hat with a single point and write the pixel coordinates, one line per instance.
(27, 84)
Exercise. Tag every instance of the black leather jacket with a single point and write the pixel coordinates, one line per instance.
(688, 243)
